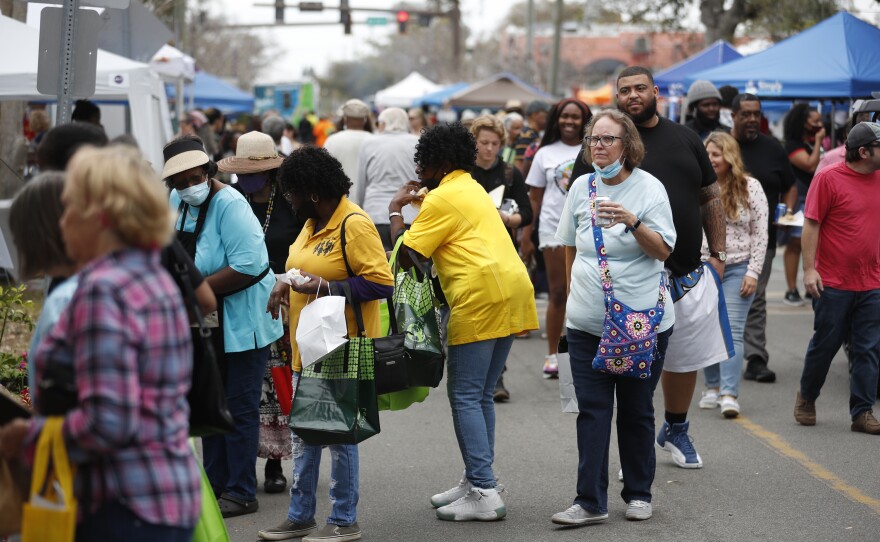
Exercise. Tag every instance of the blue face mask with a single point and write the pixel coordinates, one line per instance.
(195, 195)
(610, 171)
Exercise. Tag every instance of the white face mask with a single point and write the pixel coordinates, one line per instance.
(195, 195)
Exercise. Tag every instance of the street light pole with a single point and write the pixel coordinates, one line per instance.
(557, 39)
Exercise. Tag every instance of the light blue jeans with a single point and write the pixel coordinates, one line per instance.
(473, 371)
(304, 486)
(726, 375)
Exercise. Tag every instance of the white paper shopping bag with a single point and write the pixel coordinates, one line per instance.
(322, 328)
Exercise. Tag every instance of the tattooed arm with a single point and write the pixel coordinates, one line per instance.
(713, 223)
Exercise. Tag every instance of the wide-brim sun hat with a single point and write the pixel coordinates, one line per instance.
(182, 155)
(254, 153)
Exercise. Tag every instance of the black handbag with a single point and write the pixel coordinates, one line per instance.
(390, 356)
(208, 411)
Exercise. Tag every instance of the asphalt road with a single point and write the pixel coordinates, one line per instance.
(764, 477)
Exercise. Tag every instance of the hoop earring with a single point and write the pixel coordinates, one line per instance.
(314, 198)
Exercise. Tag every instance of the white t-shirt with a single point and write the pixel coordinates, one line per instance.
(551, 170)
(635, 276)
(345, 146)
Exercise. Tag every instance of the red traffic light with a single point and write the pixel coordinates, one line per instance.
(402, 16)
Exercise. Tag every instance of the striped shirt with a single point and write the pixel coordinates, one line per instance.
(127, 335)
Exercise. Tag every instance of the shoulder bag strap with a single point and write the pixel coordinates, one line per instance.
(599, 240)
(356, 307)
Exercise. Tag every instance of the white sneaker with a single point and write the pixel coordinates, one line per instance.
(639, 510)
(729, 406)
(479, 504)
(576, 515)
(451, 495)
(709, 399)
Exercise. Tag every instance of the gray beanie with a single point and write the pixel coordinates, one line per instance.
(701, 90)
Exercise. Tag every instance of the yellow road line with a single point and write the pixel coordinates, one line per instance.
(817, 471)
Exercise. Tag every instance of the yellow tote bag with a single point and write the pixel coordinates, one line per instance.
(51, 512)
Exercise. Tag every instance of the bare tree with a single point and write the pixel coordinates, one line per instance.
(13, 146)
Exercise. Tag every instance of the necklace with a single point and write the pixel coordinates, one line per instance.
(268, 209)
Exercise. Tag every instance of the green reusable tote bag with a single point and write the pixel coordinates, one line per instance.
(335, 401)
(419, 318)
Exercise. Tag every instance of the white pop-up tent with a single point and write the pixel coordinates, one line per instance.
(118, 80)
(402, 93)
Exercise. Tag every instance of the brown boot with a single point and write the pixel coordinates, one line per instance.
(805, 411)
(865, 422)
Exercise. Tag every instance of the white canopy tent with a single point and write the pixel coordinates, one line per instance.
(119, 80)
(402, 93)
(171, 64)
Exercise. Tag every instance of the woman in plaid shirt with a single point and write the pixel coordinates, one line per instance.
(126, 333)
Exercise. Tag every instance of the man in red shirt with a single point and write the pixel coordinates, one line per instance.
(842, 273)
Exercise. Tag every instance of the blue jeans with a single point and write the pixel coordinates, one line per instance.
(635, 423)
(726, 375)
(474, 369)
(113, 521)
(231, 459)
(344, 475)
(839, 314)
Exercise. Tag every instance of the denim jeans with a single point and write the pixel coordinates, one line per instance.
(473, 370)
(839, 314)
(231, 459)
(635, 423)
(343, 480)
(113, 521)
(726, 374)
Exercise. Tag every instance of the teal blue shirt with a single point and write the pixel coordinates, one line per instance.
(53, 306)
(232, 237)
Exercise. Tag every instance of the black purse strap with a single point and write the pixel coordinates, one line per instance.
(358, 314)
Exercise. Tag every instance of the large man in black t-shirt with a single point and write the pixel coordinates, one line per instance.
(676, 156)
(765, 160)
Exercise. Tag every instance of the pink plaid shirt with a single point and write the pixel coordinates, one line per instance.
(127, 335)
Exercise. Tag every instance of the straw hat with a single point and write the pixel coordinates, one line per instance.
(254, 153)
(183, 154)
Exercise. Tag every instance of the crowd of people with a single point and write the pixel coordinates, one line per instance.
(638, 228)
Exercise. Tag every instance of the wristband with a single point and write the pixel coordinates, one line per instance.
(634, 226)
(395, 213)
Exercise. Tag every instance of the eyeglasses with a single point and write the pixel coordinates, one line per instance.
(607, 140)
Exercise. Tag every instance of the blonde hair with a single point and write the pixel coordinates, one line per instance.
(39, 121)
(633, 148)
(491, 123)
(735, 188)
(117, 183)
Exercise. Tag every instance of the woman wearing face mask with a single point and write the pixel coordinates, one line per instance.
(256, 163)
(490, 299)
(803, 132)
(549, 177)
(638, 237)
(217, 227)
(315, 185)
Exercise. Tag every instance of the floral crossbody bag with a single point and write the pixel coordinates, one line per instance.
(626, 347)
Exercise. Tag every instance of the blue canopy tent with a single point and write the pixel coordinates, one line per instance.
(210, 91)
(838, 58)
(437, 99)
(671, 81)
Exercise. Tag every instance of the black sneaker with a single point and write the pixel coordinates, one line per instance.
(501, 394)
(758, 371)
(793, 298)
(288, 529)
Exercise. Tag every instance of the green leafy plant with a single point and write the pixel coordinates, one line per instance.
(14, 309)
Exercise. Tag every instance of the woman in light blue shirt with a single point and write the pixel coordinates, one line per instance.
(638, 236)
(218, 228)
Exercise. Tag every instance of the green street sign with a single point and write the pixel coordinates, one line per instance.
(377, 21)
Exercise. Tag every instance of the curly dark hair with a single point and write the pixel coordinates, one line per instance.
(451, 144)
(793, 125)
(552, 134)
(312, 170)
